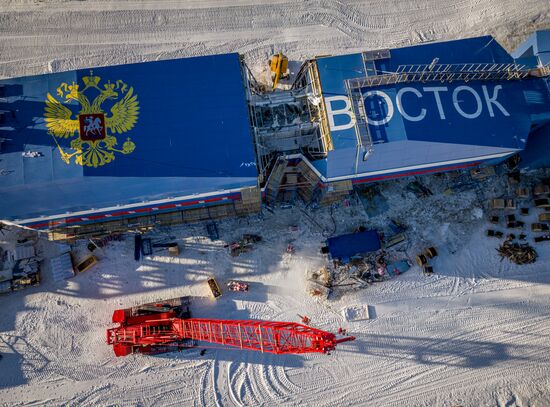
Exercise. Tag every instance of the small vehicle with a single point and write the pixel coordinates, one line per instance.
(214, 287)
(237, 286)
(482, 173)
(243, 245)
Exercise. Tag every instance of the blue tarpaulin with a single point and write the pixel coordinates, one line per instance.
(344, 246)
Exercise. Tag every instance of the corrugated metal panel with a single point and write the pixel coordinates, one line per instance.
(61, 267)
(24, 252)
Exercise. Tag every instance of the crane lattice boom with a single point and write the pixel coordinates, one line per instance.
(153, 332)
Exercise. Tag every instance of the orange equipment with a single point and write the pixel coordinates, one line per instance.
(279, 68)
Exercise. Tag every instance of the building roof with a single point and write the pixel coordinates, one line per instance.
(173, 128)
(416, 125)
(537, 45)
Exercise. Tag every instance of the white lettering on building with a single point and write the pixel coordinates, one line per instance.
(493, 101)
(399, 105)
(456, 103)
(345, 111)
(436, 90)
(389, 103)
(458, 96)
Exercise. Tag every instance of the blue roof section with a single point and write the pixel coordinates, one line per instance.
(537, 152)
(407, 156)
(418, 124)
(496, 114)
(538, 45)
(155, 130)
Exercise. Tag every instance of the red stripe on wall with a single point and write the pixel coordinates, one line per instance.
(133, 211)
(419, 172)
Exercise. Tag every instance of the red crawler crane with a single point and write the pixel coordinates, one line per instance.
(157, 328)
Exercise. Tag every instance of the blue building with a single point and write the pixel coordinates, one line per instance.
(126, 141)
(106, 149)
(534, 52)
(426, 108)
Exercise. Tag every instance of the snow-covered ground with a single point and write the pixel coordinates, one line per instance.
(38, 36)
(476, 333)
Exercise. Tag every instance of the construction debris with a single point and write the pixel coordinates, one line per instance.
(494, 233)
(394, 240)
(61, 267)
(500, 203)
(541, 189)
(543, 238)
(522, 192)
(540, 227)
(19, 262)
(542, 203)
(243, 245)
(419, 189)
(517, 253)
(482, 173)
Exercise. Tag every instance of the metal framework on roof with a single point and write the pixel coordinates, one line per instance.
(282, 124)
(442, 73)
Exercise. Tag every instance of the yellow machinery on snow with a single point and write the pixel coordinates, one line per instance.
(279, 68)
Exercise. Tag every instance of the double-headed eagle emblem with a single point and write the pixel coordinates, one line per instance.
(95, 144)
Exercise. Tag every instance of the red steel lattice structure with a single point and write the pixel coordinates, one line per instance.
(164, 331)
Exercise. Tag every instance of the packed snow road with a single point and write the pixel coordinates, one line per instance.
(54, 35)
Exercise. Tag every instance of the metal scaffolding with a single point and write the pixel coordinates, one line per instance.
(435, 72)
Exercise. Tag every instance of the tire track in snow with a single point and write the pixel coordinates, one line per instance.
(215, 373)
(203, 384)
(283, 382)
(230, 375)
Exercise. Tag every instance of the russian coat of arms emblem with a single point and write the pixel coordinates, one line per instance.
(92, 125)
